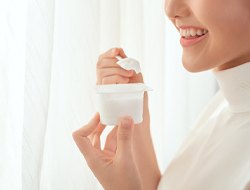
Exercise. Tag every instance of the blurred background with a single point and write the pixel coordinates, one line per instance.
(48, 54)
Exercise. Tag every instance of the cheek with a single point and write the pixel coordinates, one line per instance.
(224, 16)
(229, 33)
(228, 24)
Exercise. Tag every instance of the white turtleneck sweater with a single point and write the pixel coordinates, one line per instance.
(216, 153)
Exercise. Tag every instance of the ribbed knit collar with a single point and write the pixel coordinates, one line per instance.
(235, 86)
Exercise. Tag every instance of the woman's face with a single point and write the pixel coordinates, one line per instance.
(226, 24)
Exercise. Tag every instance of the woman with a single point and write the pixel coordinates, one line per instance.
(215, 36)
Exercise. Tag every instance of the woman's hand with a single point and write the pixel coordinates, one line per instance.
(113, 166)
(134, 165)
(109, 72)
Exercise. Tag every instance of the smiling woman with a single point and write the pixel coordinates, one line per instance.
(227, 23)
(48, 55)
(215, 155)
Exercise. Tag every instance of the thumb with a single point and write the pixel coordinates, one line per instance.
(122, 53)
(124, 136)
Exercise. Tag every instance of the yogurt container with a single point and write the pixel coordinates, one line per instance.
(118, 100)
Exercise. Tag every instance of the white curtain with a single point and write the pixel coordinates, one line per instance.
(48, 53)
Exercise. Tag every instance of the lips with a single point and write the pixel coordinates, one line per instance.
(192, 37)
(187, 42)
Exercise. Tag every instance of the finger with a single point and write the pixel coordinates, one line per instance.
(111, 141)
(101, 73)
(107, 63)
(81, 137)
(124, 137)
(112, 53)
(136, 78)
(89, 128)
(122, 53)
(96, 140)
(115, 79)
(97, 130)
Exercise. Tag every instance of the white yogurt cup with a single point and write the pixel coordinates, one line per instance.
(118, 100)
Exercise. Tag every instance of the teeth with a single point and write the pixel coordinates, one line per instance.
(192, 32)
(199, 32)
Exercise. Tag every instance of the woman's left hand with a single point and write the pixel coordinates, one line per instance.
(113, 166)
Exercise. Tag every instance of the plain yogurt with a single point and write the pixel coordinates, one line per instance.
(118, 100)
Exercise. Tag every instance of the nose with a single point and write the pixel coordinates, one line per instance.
(176, 9)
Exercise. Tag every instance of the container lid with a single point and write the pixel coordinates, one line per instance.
(129, 64)
(122, 88)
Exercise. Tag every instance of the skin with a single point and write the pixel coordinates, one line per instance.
(134, 167)
(125, 163)
(227, 21)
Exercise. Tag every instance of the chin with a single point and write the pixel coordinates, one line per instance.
(195, 65)
(192, 67)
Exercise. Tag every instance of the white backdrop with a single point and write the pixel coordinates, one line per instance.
(48, 52)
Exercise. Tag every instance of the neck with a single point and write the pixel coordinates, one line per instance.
(235, 85)
(233, 63)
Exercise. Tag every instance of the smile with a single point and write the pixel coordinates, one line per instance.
(192, 32)
(191, 36)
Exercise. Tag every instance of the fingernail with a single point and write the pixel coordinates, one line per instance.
(131, 72)
(127, 122)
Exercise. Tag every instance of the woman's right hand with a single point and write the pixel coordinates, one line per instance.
(113, 166)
